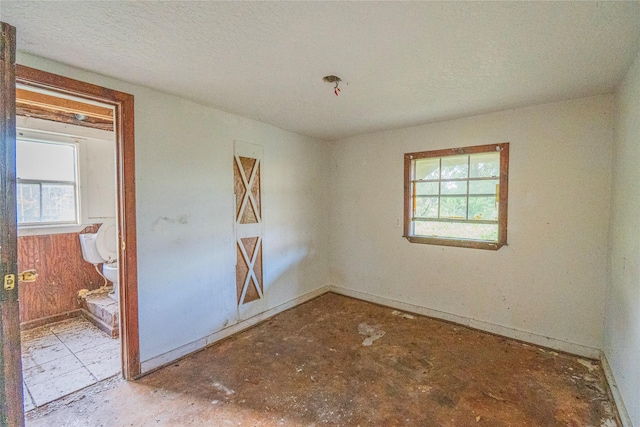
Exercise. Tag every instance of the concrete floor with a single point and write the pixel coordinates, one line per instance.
(339, 361)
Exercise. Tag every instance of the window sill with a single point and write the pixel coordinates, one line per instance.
(474, 244)
(43, 230)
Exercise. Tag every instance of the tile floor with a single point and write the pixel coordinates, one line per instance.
(63, 357)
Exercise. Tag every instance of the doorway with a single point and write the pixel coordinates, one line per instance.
(67, 234)
(123, 108)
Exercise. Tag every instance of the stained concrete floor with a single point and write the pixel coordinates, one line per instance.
(339, 361)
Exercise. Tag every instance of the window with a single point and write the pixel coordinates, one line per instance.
(457, 197)
(47, 185)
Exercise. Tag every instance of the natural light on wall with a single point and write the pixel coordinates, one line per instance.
(455, 197)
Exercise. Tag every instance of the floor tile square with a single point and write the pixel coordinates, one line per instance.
(60, 386)
(104, 370)
(102, 361)
(49, 370)
(37, 353)
(81, 336)
(39, 340)
(101, 353)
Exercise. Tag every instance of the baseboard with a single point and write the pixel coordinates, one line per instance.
(615, 392)
(50, 319)
(171, 356)
(529, 337)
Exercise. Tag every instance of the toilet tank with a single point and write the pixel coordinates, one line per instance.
(89, 250)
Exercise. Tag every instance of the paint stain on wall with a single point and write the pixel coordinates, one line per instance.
(163, 222)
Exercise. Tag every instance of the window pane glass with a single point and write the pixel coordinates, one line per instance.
(427, 168)
(485, 165)
(456, 230)
(28, 201)
(42, 161)
(453, 187)
(453, 207)
(483, 187)
(426, 207)
(455, 167)
(483, 208)
(58, 203)
(426, 188)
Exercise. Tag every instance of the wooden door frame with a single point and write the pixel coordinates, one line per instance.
(11, 406)
(126, 211)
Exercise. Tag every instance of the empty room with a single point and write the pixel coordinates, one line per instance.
(320, 213)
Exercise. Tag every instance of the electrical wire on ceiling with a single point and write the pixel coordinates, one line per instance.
(333, 79)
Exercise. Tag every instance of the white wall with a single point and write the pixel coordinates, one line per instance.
(622, 325)
(98, 159)
(550, 280)
(184, 203)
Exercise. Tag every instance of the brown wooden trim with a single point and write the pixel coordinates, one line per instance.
(475, 244)
(504, 193)
(53, 115)
(25, 326)
(453, 151)
(125, 155)
(11, 410)
(57, 109)
(407, 195)
(37, 99)
(502, 206)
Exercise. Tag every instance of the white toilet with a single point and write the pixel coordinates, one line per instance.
(102, 248)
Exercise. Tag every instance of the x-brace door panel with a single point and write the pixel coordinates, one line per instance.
(247, 166)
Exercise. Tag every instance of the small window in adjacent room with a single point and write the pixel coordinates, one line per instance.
(457, 197)
(47, 184)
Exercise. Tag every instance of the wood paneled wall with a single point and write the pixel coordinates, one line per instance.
(62, 272)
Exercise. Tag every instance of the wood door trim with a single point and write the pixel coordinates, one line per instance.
(125, 155)
(11, 412)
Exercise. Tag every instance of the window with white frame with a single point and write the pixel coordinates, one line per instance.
(457, 197)
(47, 183)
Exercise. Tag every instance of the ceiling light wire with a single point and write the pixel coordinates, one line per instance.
(333, 79)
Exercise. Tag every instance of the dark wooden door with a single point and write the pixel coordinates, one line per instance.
(11, 413)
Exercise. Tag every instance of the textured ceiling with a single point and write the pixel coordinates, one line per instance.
(402, 63)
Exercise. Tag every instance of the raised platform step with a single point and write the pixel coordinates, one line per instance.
(103, 312)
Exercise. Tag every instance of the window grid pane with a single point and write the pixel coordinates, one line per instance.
(459, 190)
(28, 198)
(58, 202)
